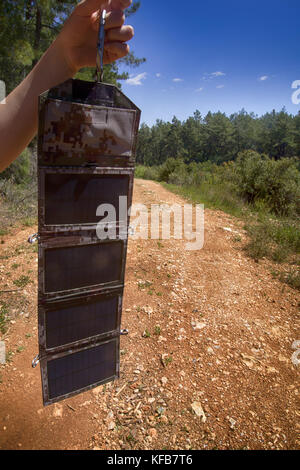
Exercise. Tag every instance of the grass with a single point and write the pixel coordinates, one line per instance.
(15, 302)
(212, 195)
(168, 360)
(147, 334)
(292, 277)
(130, 439)
(157, 330)
(144, 284)
(15, 265)
(3, 318)
(29, 221)
(273, 238)
(22, 281)
(9, 356)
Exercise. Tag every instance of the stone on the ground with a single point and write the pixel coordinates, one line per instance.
(198, 410)
(2, 353)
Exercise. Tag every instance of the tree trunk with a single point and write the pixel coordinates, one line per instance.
(37, 35)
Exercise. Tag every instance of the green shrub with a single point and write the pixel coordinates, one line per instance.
(18, 191)
(152, 173)
(146, 172)
(292, 278)
(276, 183)
(170, 166)
(140, 171)
(20, 170)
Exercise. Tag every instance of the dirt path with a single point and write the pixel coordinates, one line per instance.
(219, 333)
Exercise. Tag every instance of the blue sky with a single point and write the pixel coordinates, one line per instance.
(214, 55)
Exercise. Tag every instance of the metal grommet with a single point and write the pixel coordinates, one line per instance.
(35, 361)
(33, 238)
(131, 231)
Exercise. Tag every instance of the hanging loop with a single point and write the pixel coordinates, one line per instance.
(100, 48)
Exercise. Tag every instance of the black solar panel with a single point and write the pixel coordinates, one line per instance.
(74, 198)
(86, 156)
(84, 320)
(83, 265)
(81, 369)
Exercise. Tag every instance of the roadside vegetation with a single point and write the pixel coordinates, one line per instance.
(262, 191)
(18, 193)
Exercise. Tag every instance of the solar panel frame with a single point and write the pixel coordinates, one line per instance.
(46, 309)
(75, 241)
(105, 172)
(48, 400)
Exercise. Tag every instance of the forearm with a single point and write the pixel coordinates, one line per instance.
(19, 112)
(74, 48)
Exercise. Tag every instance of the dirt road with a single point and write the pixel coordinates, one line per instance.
(207, 363)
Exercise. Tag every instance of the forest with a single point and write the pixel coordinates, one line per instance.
(245, 165)
(219, 138)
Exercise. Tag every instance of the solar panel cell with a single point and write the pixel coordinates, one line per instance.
(82, 369)
(84, 320)
(73, 267)
(74, 198)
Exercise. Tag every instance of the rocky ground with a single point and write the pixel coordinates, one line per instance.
(207, 363)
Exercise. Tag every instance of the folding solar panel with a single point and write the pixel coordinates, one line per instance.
(65, 322)
(72, 197)
(69, 373)
(86, 156)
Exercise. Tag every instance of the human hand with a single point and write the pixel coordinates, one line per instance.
(78, 38)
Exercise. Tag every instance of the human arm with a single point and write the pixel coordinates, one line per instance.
(74, 48)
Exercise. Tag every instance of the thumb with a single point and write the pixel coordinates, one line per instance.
(87, 7)
(119, 4)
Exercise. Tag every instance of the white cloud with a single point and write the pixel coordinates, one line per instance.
(199, 89)
(137, 80)
(218, 74)
(210, 76)
(158, 75)
(263, 78)
(220, 86)
(177, 80)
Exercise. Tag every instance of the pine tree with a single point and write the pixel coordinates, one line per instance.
(27, 28)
